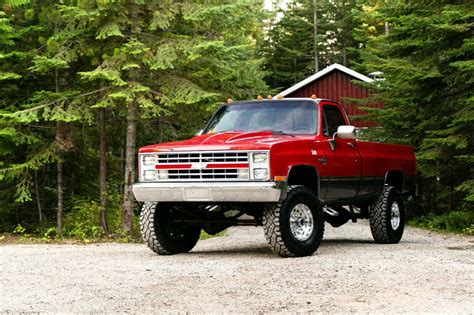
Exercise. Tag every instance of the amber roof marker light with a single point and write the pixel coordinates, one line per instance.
(279, 97)
(230, 100)
(270, 97)
(259, 97)
(314, 96)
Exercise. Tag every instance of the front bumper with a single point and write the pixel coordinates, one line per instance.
(209, 191)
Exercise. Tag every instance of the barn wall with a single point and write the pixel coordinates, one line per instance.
(335, 86)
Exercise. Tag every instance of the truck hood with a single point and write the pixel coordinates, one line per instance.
(261, 140)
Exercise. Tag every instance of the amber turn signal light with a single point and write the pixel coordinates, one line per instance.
(280, 178)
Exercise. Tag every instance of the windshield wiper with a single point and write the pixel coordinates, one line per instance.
(281, 132)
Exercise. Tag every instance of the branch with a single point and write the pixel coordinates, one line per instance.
(61, 99)
(94, 92)
(156, 93)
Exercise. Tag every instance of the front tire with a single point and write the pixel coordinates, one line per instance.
(387, 216)
(295, 226)
(163, 236)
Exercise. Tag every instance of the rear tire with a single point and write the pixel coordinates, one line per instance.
(295, 226)
(162, 235)
(387, 216)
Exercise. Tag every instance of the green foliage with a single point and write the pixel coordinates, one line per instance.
(19, 230)
(50, 233)
(60, 62)
(290, 50)
(81, 222)
(456, 221)
(205, 236)
(428, 86)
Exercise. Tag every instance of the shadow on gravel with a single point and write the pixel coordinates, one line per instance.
(362, 242)
(257, 251)
(340, 241)
(263, 250)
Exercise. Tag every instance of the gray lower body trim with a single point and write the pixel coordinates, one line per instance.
(208, 191)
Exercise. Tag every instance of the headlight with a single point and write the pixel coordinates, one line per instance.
(260, 165)
(149, 175)
(260, 157)
(260, 173)
(149, 159)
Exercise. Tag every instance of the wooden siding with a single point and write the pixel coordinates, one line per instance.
(336, 86)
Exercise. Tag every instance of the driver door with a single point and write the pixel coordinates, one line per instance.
(340, 167)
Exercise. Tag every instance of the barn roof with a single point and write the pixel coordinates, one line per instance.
(322, 73)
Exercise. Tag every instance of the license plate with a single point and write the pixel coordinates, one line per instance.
(197, 194)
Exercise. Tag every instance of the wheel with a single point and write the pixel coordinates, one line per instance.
(295, 226)
(162, 235)
(387, 216)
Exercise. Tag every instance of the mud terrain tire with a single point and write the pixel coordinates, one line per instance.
(162, 235)
(387, 216)
(295, 226)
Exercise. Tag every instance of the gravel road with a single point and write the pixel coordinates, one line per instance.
(426, 272)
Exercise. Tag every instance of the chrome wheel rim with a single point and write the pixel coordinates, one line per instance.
(301, 222)
(395, 215)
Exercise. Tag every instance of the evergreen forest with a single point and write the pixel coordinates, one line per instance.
(85, 83)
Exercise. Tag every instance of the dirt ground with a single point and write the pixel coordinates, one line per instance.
(426, 272)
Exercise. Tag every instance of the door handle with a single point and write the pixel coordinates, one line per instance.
(323, 160)
(351, 144)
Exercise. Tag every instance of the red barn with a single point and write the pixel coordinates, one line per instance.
(335, 83)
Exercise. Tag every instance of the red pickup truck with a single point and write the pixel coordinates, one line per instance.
(289, 165)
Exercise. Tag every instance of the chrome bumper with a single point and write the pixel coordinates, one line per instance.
(208, 191)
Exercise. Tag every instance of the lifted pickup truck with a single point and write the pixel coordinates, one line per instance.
(289, 165)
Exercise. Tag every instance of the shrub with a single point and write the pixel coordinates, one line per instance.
(456, 221)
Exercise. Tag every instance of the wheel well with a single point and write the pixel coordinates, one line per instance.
(304, 175)
(395, 179)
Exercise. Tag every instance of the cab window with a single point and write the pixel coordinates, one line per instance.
(332, 118)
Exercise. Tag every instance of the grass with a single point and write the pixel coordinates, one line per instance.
(205, 236)
(456, 222)
(26, 238)
(9, 238)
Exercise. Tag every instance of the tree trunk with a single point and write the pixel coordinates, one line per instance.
(386, 27)
(103, 172)
(59, 167)
(129, 166)
(344, 56)
(315, 29)
(38, 201)
(60, 138)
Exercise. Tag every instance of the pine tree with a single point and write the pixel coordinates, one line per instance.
(295, 41)
(140, 71)
(288, 52)
(427, 61)
(156, 57)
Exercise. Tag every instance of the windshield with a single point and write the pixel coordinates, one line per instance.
(293, 117)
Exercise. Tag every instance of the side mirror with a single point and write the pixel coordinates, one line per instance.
(343, 132)
(346, 132)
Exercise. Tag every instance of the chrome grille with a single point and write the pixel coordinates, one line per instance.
(201, 169)
(204, 174)
(204, 157)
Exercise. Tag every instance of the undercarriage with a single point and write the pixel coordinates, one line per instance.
(214, 218)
